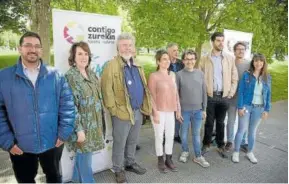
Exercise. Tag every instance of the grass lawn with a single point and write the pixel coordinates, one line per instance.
(279, 73)
(278, 70)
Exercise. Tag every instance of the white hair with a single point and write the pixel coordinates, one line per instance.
(125, 36)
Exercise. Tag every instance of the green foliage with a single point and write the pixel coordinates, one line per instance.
(8, 60)
(265, 19)
(9, 39)
(14, 15)
(91, 6)
(189, 23)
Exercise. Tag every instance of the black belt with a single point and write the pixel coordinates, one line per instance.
(257, 105)
(218, 93)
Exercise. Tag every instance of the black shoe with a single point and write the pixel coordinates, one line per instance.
(222, 152)
(244, 148)
(178, 139)
(145, 118)
(214, 134)
(136, 169)
(137, 147)
(120, 177)
(228, 146)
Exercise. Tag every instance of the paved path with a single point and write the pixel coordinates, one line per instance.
(271, 151)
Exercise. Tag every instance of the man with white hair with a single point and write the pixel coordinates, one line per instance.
(127, 98)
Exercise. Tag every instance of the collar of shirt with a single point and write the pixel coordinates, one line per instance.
(37, 69)
(213, 55)
(131, 61)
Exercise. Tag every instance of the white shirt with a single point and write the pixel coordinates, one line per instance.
(32, 74)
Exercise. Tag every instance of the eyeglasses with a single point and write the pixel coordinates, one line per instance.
(241, 49)
(30, 46)
(190, 59)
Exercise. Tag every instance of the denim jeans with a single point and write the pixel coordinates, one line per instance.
(249, 122)
(193, 118)
(82, 172)
(232, 113)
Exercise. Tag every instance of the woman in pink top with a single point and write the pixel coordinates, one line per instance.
(165, 99)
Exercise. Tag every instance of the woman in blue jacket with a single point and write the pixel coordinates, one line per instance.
(254, 103)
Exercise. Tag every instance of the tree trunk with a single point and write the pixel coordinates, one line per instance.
(40, 23)
(199, 52)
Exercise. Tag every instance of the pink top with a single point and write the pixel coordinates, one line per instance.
(164, 93)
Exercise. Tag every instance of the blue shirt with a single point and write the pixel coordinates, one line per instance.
(218, 72)
(174, 67)
(258, 96)
(177, 66)
(134, 85)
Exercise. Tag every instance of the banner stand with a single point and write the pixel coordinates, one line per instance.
(100, 32)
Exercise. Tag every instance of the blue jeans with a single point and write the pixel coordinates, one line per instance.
(231, 123)
(193, 118)
(82, 172)
(250, 121)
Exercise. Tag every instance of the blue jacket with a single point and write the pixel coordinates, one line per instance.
(246, 91)
(34, 118)
(179, 66)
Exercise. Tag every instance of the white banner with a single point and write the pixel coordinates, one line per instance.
(100, 32)
(232, 37)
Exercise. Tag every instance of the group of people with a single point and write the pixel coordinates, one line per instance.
(41, 109)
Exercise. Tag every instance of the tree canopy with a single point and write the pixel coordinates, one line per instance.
(189, 23)
(155, 22)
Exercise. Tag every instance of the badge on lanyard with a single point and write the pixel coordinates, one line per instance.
(129, 82)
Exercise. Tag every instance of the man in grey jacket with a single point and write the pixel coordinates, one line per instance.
(242, 65)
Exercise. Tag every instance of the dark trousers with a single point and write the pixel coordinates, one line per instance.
(60, 150)
(25, 166)
(216, 111)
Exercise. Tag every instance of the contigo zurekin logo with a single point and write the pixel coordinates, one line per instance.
(73, 32)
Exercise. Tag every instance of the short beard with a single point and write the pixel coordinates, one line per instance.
(32, 61)
(126, 57)
(217, 49)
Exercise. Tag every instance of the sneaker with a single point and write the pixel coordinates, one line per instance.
(201, 161)
(235, 157)
(244, 148)
(222, 152)
(178, 139)
(205, 149)
(184, 157)
(120, 177)
(228, 146)
(252, 158)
